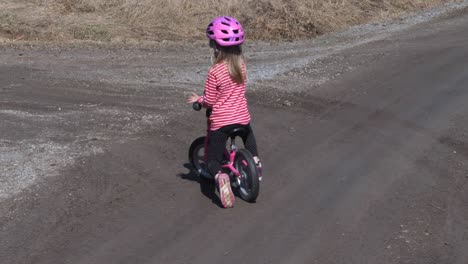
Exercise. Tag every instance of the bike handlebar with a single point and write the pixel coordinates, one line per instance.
(197, 106)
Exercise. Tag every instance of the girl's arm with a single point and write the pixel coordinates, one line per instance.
(209, 97)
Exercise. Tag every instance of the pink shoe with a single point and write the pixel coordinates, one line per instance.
(258, 166)
(224, 189)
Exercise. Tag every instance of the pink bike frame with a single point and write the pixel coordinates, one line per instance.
(230, 156)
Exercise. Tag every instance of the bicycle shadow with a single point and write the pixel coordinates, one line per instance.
(207, 187)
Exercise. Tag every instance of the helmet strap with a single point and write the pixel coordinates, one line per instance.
(214, 55)
(216, 50)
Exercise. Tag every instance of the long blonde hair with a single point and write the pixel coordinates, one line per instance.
(234, 59)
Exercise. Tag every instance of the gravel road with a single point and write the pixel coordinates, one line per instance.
(363, 135)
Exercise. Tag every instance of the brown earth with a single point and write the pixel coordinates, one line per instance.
(367, 166)
(130, 21)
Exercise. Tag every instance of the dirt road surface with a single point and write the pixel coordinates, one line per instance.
(365, 151)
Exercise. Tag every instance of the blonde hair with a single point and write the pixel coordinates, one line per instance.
(235, 61)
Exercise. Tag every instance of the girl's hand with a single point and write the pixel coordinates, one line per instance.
(193, 98)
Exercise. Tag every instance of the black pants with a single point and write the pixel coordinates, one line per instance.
(217, 144)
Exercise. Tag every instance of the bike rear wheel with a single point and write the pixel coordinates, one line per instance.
(249, 185)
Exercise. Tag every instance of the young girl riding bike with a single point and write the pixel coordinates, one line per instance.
(225, 95)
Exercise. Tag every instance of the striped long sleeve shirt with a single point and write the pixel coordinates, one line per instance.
(225, 97)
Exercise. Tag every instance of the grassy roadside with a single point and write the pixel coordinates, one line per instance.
(183, 20)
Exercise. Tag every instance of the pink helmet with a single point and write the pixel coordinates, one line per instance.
(226, 31)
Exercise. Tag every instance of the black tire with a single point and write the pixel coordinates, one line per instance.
(197, 159)
(249, 185)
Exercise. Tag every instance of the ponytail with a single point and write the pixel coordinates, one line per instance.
(234, 60)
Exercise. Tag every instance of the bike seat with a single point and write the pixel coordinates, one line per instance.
(236, 132)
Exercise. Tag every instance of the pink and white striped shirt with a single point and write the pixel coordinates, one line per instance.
(225, 97)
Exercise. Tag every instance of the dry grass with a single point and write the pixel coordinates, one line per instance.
(120, 20)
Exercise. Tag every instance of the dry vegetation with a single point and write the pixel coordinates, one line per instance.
(124, 20)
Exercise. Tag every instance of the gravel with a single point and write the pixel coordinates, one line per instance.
(50, 140)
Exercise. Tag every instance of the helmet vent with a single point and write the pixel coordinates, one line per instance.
(224, 23)
(236, 31)
(225, 31)
(237, 39)
(227, 18)
(226, 39)
(210, 32)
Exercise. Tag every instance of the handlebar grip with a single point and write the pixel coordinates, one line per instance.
(197, 106)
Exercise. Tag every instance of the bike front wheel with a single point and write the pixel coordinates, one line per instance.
(197, 157)
(249, 185)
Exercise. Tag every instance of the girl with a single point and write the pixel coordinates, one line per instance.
(225, 96)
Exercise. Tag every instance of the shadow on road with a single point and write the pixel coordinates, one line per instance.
(207, 187)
